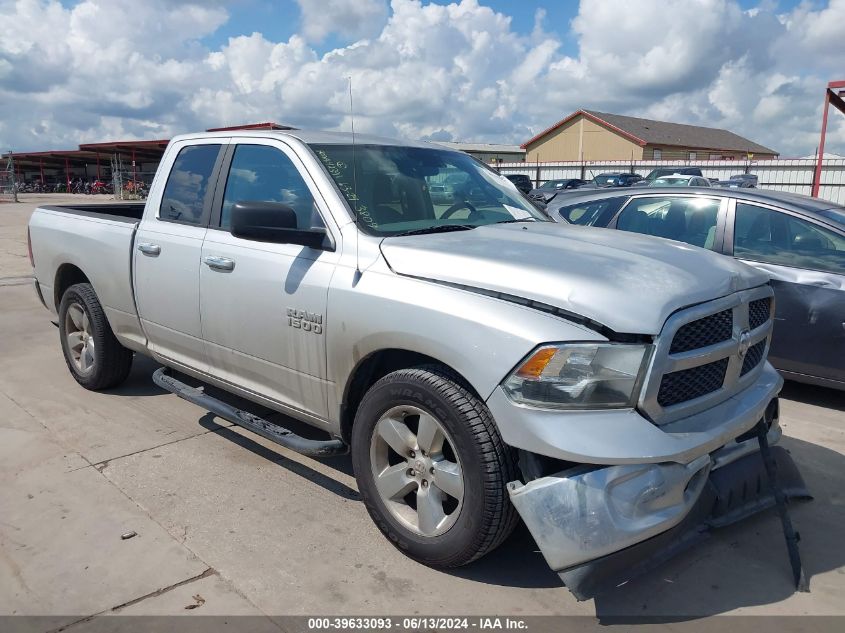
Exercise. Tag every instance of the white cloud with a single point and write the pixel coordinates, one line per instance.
(456, 71)
(353, 19)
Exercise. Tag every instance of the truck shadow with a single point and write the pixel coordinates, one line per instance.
(811, 394)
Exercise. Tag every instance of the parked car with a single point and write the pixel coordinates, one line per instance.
(616, 179)
(680, 180)
(550, 188)
(521, 181)
(668, 171)
(797, 240)
(481, 363)
(739, 181)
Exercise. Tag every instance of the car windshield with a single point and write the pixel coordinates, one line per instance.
(655, 174)
(669, 181)
(604, 179)
(396, 190)
(552, 184)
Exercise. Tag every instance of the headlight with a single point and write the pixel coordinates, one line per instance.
(579, 376)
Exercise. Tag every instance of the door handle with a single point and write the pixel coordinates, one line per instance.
(147, 248)
(216, 262)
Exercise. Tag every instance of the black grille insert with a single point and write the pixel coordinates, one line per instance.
(688, 384)
(759, 311)
(703, 332)
(753, 357)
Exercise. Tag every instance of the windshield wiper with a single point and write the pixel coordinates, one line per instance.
(512, 220)
(441, 228)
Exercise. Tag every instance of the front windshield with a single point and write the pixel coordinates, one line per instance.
(670, 182)
(606, 180)
(396, 190)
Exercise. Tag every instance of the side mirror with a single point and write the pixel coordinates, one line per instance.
(273, 222)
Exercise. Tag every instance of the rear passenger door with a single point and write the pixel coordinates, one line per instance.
(263, 305)
(167, 251)
(694, 219)
(806, 261)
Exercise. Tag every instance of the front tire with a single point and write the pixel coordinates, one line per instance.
(431, 467)
(93, 355)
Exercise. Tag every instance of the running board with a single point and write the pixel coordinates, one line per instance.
(269, 430)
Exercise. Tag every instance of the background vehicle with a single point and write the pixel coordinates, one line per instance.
(521, 182)
(614, 179)
(739, 181)
(668, 171)
(548, 189)
(797, 240)
(475, 371)
(680, 180)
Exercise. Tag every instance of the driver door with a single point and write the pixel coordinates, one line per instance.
(263, 305)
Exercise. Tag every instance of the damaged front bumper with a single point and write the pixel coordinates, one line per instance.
(598, 527)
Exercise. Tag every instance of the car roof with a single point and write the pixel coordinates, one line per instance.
(806, 205)
(681, 176)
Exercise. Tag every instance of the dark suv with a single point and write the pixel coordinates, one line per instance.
(522, 182)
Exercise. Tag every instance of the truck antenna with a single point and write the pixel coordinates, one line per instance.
(354, 180)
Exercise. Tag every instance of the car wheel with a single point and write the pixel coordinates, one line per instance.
(431, 467)
(93, 355)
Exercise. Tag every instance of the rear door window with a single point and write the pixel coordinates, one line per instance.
(686, 219)
(187, 196)
(772, 237)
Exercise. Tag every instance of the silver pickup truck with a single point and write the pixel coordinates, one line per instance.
(480, 362)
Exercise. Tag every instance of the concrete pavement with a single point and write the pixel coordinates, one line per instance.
(252, 528)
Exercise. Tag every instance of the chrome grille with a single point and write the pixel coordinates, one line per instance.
(707, 353)
(703, 332)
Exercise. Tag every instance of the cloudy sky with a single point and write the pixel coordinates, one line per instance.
(480, 70)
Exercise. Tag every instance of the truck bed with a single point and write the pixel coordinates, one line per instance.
(96, 241)
(119, 211)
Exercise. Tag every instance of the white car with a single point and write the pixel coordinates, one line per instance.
(680, 180)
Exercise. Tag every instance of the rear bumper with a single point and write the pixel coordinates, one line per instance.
(601, 527)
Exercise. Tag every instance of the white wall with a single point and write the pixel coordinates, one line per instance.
(793, 175)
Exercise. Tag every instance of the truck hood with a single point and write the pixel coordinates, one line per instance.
(626, 282)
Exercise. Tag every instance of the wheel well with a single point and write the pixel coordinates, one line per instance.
(376, 366)
(66, 276)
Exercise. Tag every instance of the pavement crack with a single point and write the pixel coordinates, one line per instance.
(103, 464)
(208, 572)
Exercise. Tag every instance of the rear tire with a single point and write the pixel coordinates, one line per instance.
(93, 355)
(445, 505)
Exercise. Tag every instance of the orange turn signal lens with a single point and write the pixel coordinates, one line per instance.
(534, 366)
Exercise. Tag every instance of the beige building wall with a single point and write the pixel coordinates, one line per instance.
(582, 139)
(673, 152)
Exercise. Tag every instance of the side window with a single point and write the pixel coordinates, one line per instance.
(264, 173)
(690, 220)
(187, 185)
(591, 212)
(772, 237)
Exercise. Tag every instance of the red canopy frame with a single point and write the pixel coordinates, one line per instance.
(832, 96)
